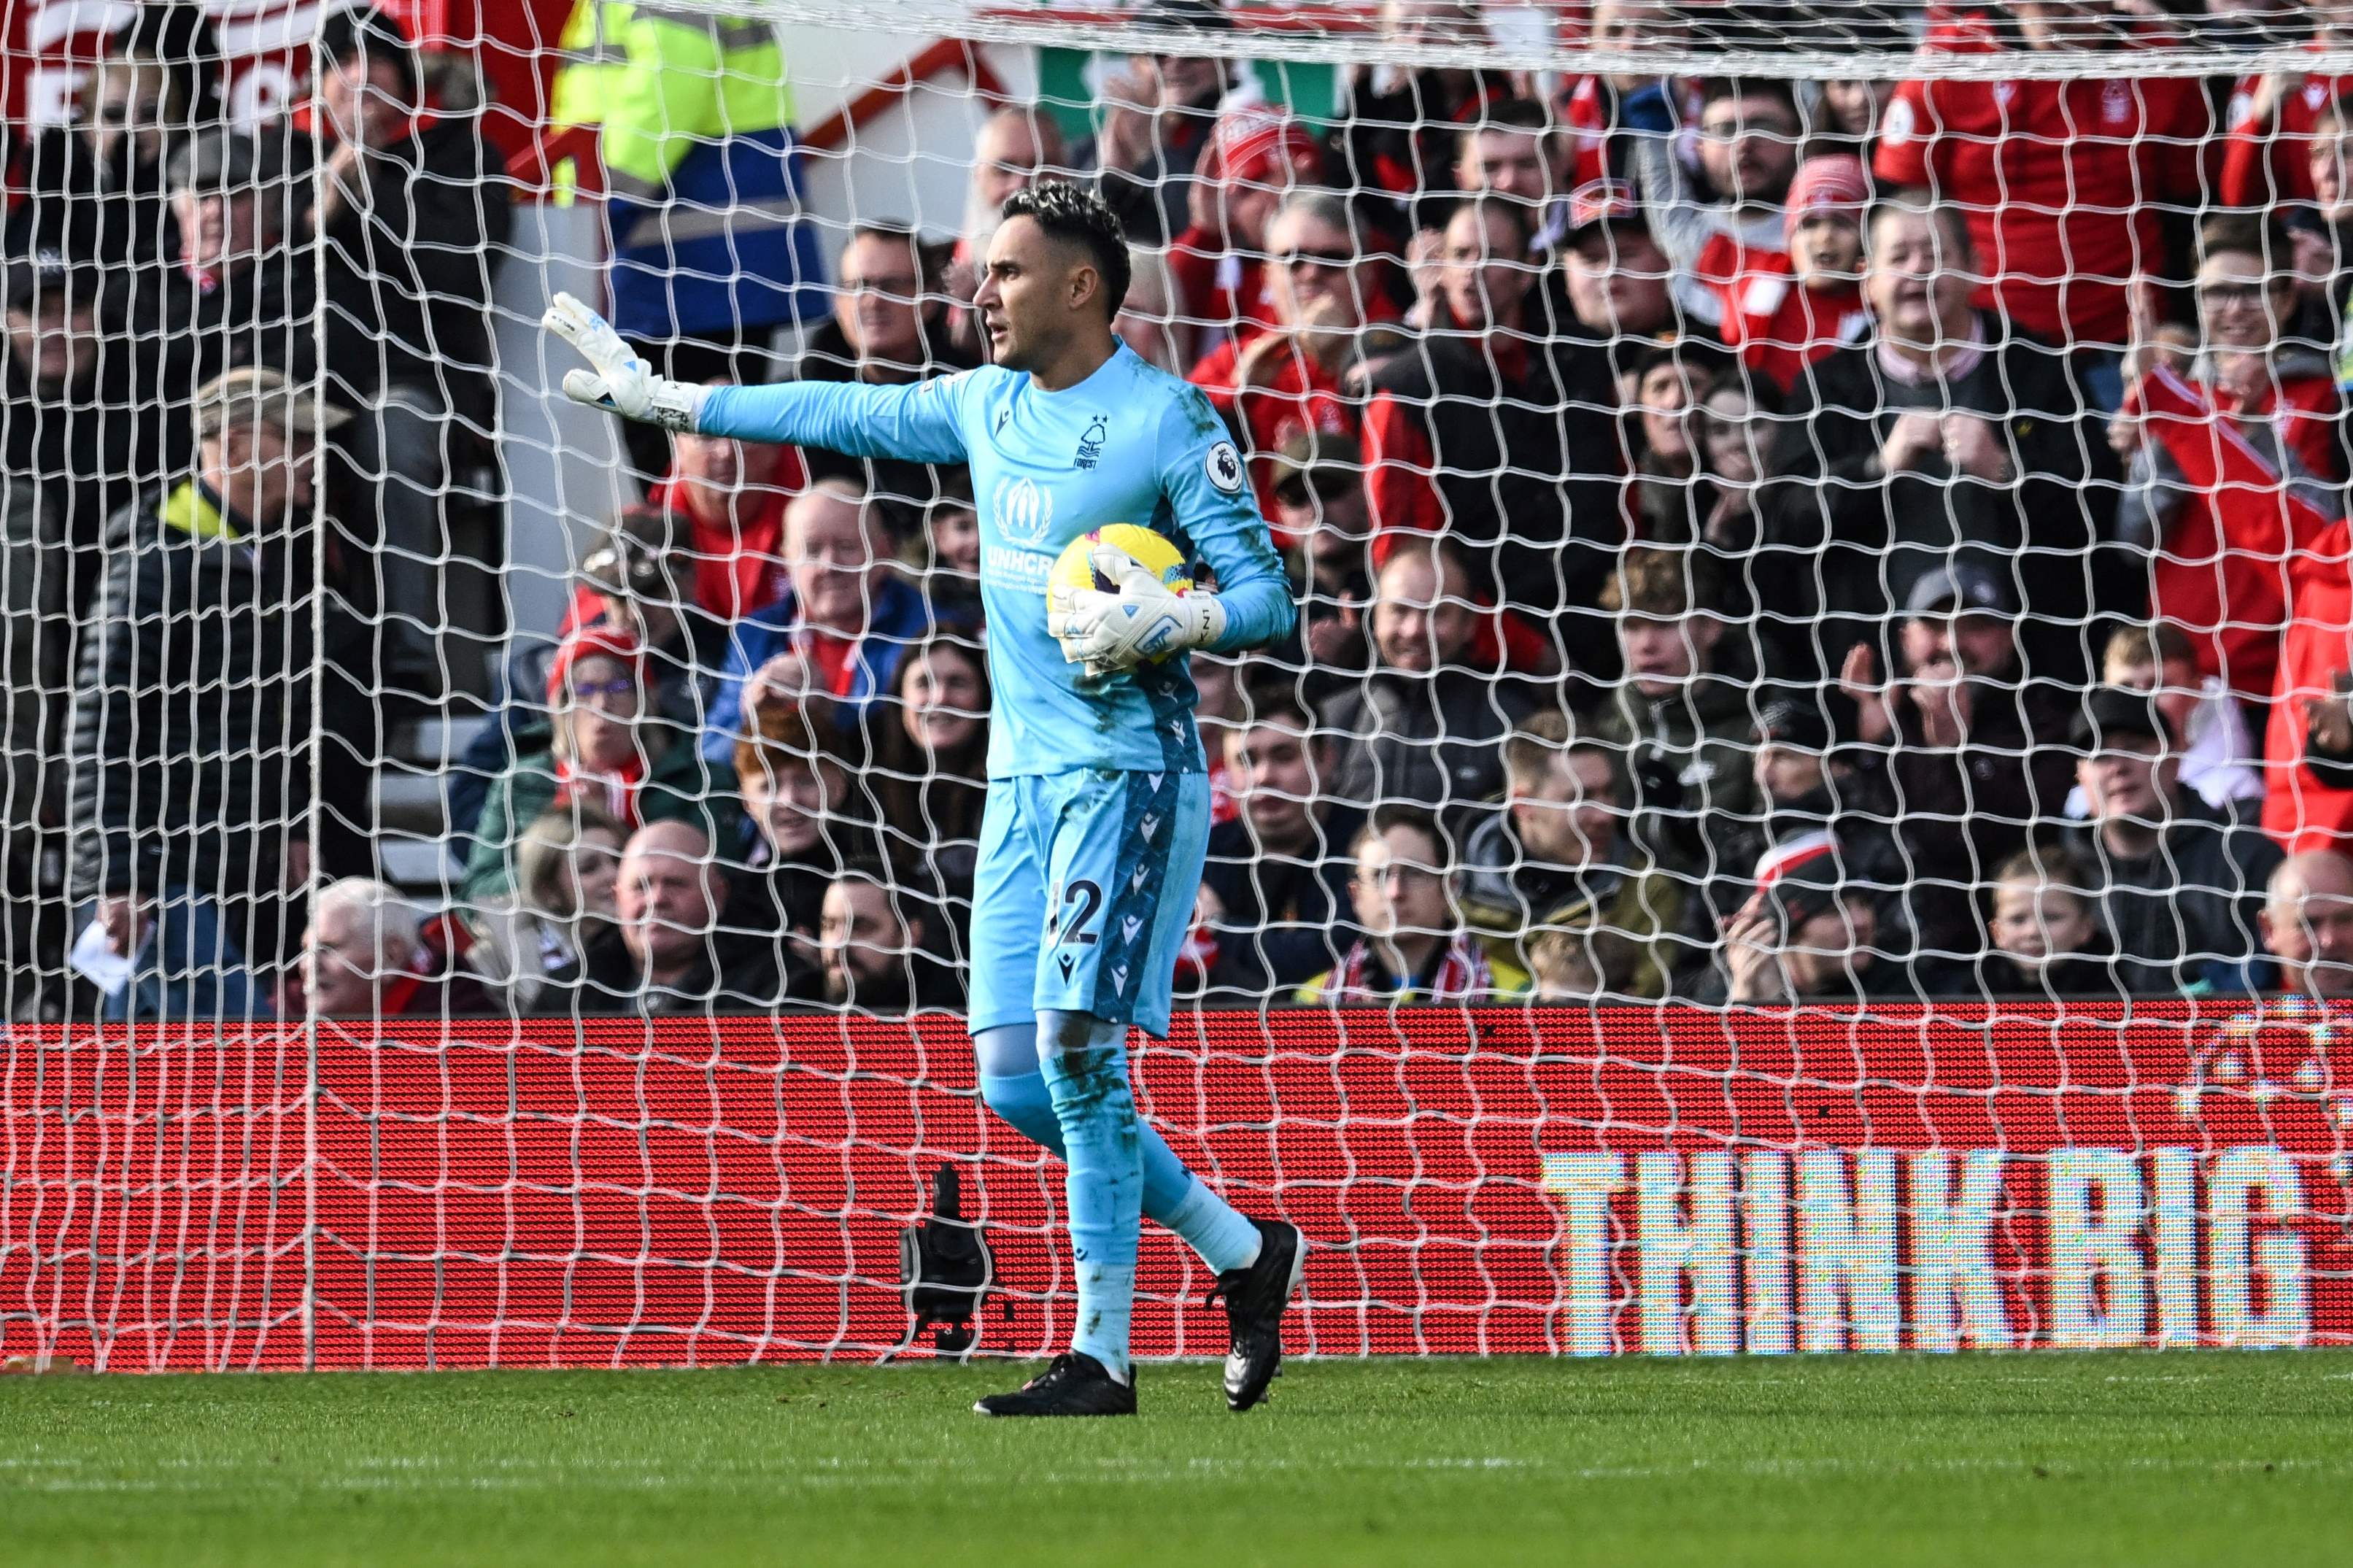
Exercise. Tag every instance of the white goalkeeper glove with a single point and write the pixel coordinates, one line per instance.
(617, 379)
(1144, 620)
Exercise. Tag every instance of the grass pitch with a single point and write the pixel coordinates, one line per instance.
(2138, 1458)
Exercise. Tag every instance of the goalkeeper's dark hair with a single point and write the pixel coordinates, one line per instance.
(1077, 215)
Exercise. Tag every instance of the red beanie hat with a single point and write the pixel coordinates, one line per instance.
(594, 642)
(1253, 146)
(1833, 182)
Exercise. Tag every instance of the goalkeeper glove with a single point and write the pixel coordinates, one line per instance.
(619, 379)
(1144, 620)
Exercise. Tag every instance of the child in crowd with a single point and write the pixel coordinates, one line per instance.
(2218, 752)
(2044, 932)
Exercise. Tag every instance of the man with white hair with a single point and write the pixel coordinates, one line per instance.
(672, 948)
(359, 954)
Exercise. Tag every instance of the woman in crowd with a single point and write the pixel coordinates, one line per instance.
(931, 763)
(567, 865)
(597, 749)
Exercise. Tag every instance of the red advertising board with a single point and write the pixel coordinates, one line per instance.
(1568, 1182)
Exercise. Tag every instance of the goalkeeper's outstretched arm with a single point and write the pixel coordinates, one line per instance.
(916, 422)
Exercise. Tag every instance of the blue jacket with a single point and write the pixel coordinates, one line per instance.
(900, 621)
(725, 247)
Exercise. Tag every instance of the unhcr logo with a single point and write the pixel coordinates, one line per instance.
(1025, 511)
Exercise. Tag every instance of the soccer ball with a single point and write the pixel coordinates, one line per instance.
(1075, 568)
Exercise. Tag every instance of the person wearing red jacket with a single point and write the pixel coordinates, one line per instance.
(2063, 180)
(2272, 118)
(2309, 791)
(1282, 380)
(1785, 310)
(1255, 157)
(2253, 397)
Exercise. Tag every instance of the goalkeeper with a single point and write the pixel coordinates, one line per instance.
(1098, 816)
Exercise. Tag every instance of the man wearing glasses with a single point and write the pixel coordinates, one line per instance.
(888, 328)
(1283, 381)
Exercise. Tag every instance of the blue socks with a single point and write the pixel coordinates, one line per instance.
(1102, 1152)
(1174, 1197)
(1076, 1104)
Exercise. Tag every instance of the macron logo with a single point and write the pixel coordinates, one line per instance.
(1025, 511)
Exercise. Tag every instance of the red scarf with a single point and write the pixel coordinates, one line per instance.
(1462, 974)
(615, 793)
(739, 568)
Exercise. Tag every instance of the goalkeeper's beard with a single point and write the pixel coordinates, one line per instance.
(1014, 349)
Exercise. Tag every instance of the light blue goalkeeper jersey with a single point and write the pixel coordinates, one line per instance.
(1129, 444)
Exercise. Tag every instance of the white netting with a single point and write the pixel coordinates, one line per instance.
(1636, 395)
(1787, 503)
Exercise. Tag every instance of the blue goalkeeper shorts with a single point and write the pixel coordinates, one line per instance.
(1084, 894)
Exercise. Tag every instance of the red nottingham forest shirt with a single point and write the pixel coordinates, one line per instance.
(2059, 180)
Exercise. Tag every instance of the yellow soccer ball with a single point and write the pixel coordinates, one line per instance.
(1075, 568)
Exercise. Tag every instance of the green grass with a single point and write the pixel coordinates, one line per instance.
(2143, 1459)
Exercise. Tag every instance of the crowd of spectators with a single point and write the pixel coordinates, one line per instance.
(1759, 542)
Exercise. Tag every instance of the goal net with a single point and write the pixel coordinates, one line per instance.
(1803, 808)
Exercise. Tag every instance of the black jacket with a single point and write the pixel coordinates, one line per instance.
(736, 972)
(409, 270)
(77, 453)
(1961, 812)
(1287, 915)
(190, 724)
(70, 203)
(1434, 741)
(2185, 911)
(1843, 541)
(2094, 975)
(1692, 766)
(1527, 466)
